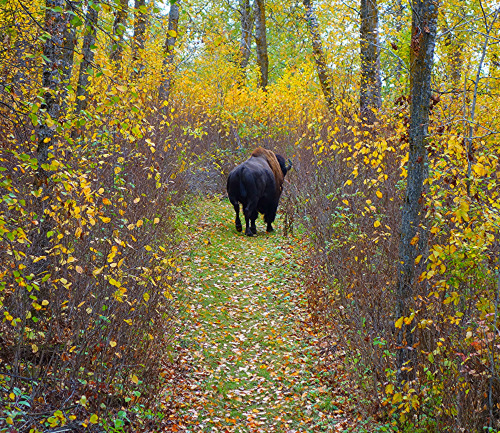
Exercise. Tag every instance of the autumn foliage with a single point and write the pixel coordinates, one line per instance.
(90, 288)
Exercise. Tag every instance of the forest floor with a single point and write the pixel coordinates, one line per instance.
(249, 354)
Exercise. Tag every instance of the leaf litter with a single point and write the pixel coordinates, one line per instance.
(250, 363)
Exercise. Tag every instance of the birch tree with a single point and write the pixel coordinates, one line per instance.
(247, 20)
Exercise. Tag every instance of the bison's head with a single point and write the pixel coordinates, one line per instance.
(284, 168)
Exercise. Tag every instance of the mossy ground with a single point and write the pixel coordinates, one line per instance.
(249, 351)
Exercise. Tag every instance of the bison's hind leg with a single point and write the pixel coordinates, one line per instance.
(251, 215)
(237, 221)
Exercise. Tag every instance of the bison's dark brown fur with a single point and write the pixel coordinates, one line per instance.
(257, 184)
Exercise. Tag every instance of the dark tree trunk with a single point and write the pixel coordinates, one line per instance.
(88, 57)
(139, 35)
(53, 69)
(246, 34)
(324, 75)
(173, 24)
(370, 61)
(68, 51)
(118, 31)
(261, 42)
(413, 235)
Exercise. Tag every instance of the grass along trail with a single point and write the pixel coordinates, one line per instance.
(251, 356)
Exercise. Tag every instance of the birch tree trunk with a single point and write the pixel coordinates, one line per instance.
(139, 35)
(171, 38)
(413, 235)
(324, 75)
(370, 61)
(88, 56)
(246, 34)
(118, 31)
(261, 42)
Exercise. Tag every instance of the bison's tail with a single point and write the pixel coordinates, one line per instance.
(243, 190)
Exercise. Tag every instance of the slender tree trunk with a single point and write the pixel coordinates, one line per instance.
(261, 42)
(69, 42)
(370, 60)
(324, 75)
(424, 24)
(173, 24)
(88, 56)
(139, 35)
(118, 32)
(55, 24)
(398, 15)
(246, 34)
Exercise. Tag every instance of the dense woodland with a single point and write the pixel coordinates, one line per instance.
(117, 114)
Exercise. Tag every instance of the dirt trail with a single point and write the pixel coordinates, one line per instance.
(249, 354)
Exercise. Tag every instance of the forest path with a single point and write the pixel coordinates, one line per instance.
(251, 356)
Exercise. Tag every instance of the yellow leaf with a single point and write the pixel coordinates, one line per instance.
(137, 200)
(105, 219)
(34, 347)
(112, 343)
(79, 269)
(94, 418)
(398, 397)
(146, 296)
(139, 223)
(45, 302)
(12, 396)
(417, 260)
(389, 389)
(148, 248)
(134, 379)
(156, 220)
(376, 223)
(106, 200)
(379, 194)
(399, 323)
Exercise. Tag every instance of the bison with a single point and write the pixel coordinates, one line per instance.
(257, 184)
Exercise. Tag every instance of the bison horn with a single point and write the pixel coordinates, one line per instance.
(289, 165)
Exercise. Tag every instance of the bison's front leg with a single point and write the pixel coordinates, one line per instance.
(253, 227)
(269, 228)
(249, 230)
